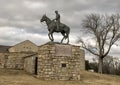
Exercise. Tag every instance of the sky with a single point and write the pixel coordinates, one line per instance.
(20, 19)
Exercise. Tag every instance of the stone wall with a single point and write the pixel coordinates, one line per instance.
(13, 60)
(26, 46)
(2, 60)
(12, 57)
(55, 65)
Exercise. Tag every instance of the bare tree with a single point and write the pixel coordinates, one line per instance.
(107, 64)
(112, 64)
(105, 30)
(115, 66)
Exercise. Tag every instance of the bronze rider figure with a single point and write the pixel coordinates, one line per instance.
(57, 19)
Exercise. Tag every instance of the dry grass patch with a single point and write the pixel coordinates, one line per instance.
(18, 77)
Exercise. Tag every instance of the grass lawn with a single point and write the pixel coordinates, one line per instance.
(18, 77)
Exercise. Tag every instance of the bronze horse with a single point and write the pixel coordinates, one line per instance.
(64, 29)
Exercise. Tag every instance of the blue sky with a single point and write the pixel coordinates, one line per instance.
(20, 19)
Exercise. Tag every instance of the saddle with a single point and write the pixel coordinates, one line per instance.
(60, 26)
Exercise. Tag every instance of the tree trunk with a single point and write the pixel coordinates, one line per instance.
(100, 65)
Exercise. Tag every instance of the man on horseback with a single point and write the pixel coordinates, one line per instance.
(55, 27)
(57, 19)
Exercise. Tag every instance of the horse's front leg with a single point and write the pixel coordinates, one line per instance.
(52, 36)
(49, 35)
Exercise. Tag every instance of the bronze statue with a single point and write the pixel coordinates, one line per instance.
(52, 25)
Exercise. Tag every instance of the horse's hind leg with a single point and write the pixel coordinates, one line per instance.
(63, 36)
(62, 39)
(68, 40)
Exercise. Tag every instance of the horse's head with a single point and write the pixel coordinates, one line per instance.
(43, 18)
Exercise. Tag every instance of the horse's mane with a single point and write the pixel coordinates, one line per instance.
(48, 18)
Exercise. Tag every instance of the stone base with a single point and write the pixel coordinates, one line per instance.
(60, 62)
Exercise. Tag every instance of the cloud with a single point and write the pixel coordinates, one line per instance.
(20, 19)
(34, 5)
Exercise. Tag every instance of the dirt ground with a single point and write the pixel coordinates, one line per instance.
(18, 77)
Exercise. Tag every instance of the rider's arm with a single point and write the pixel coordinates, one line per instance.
(57, 17)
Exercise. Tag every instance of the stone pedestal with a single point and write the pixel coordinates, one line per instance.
(60, 62)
